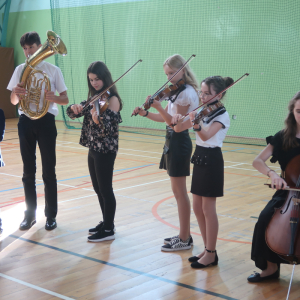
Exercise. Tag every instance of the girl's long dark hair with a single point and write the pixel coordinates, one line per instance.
(290, 130)
(100, 69)
(218, 83)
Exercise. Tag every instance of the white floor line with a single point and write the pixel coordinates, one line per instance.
(74, 199)
(238, 164)
(141, 151)
(4, 150)
(72, 186)
(229, 167)
(78, 148)
(235, 162)
(64, 142)
(129, 187)
(16, 176)
(36, 287)
(139, 155)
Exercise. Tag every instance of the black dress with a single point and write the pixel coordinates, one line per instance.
(260, 252)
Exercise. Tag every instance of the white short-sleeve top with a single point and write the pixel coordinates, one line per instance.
(187, 97)
(218, 138)
(56, 80)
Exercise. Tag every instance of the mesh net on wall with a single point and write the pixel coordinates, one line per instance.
(229, 38)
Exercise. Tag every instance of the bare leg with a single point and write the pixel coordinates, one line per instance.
(271, 269)
(197, 207)
(212, 228)
(183, 203)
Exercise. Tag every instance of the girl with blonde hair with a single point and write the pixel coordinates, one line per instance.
(178, 146)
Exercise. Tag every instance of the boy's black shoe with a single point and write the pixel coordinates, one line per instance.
(27, 223)
(50, 224)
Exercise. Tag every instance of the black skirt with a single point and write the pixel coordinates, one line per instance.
(208, 172)
(177, 153)
(260, 252)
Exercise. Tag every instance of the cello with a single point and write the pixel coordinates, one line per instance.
(283, 234)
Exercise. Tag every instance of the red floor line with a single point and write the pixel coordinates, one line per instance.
(157, 216)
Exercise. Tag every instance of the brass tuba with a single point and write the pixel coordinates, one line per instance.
(32, 84)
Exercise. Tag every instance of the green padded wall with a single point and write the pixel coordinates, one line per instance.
(229, 38)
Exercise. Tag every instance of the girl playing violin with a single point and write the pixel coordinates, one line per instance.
(283, 146)
(102, 140)
(208, 172)
(178, 146)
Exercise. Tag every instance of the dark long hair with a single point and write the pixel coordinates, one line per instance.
(290, 130)
(218, 83)
(100, 69)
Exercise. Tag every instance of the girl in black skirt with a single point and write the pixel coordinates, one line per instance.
(208, 172)
(102, 140)
(178, 146)
(283, 146)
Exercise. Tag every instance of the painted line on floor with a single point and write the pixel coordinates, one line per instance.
(159, 218)
(67, 178)
(176, 283)
(36, 287)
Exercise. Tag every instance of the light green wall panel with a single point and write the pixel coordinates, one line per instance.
(229, 37)
(21, 22)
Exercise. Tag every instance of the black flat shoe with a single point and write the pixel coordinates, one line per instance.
(194, 259)
(256, 276)
(197, 265)
(50, 224)
(27, 223)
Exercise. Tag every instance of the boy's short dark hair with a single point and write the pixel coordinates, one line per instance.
(29, 38)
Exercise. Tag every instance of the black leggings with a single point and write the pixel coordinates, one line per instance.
(101, 166)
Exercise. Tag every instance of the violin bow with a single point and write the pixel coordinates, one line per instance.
(98, 96)
(157, 92)
(230, 86)
(286, 189)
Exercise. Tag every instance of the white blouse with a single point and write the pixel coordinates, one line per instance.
(218, 138)
(187, 97)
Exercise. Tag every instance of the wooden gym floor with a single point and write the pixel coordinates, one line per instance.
(61, 264)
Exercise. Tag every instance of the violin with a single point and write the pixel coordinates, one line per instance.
(230, 86)
(105, 94)
(282, 233)
(102, 104)
(206, 112)
(167, 92)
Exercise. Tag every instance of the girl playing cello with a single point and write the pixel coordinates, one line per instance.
(178, 146)
(283, 147)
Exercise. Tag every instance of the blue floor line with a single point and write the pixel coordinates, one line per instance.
(126, 269)
(21, 187)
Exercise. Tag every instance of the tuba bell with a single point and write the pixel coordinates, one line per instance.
(30, 103)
